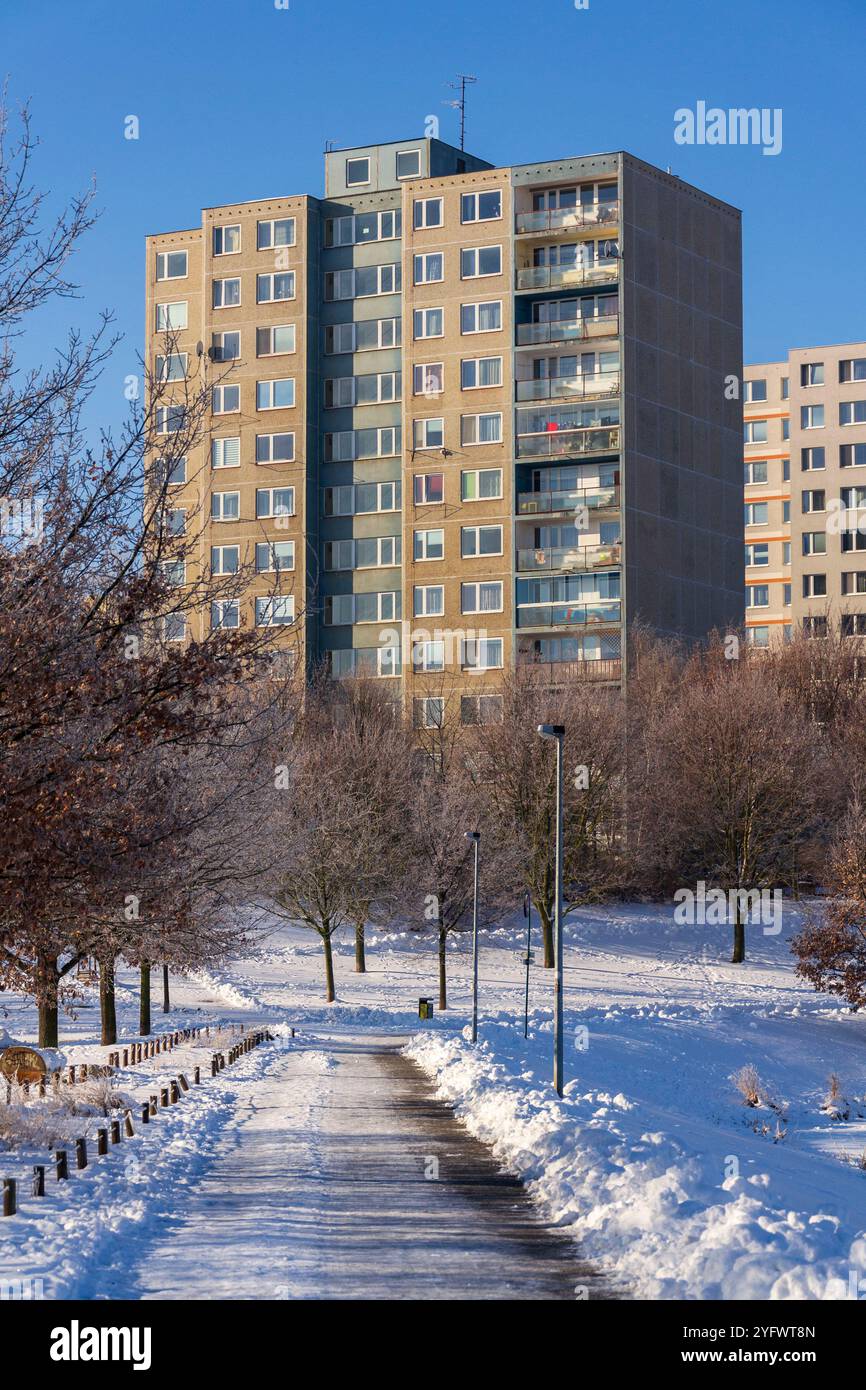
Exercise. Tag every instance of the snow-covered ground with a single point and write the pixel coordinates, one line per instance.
(651, 1160)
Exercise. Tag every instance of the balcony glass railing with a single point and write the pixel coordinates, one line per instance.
(568, 500)
(568, 557)
(568, 443)
(568, 331)
(604, 669)
(581, 386)
(569, 614)
(551, 277)
(562, 219)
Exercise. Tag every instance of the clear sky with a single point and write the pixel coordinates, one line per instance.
(236, 99)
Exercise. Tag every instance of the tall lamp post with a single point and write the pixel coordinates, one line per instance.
(557, 732)
(474, 836)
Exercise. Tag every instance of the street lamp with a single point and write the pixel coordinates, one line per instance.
(475, 837)
(557, 732)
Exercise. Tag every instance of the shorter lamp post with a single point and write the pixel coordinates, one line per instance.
(557, 732)
(474, 836)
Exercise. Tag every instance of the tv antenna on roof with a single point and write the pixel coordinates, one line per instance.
(460, 104)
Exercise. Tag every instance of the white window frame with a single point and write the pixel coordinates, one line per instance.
(424, 312)
(219, 235)
(478, 553)
(475, 584)
(422, 428)
(162, 258)
(421, 595)
(164, 360)
(476, 362)
(218, 551)
(270, 514)
(420, 261)
(423, 204)
(470, 647)
(424, 389)
(218, 396)
(401, 177)
(428, 655)
(359, 183)
(475, 473)
(219, 283)
(428, 501)
(478, 304)
(482, 415)
(164, 310)
(271, 382)
(270, 277)
(476, 195)
(421, 544)
(222, 607)
(218, 349)
(476, 252)
(271, 567)
(218, 450)
(220, 497)
(270, 437)
(278, 328)
(271, 222)
(265, 604)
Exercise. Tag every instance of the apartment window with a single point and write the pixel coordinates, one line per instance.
(171, 265)
(786, 552)
(756, 513)
(812, 460)
(275, 288)
(814, 586)
(812, 374)
(485, 317)
(275, 395)
(813, 500)
(225, 613)
(273, 342)
(428, 268)
(279, 231)
(355, 499)
(408, 164)
(225, 506)
(273, 556)
(227, 293)
(429, 712)
(275, 610)
(174, 627)
(225, 559)
(429, 434)
(375, 552)
(786, 429)
(476, 372)
(852, 540)
(427, 212)
(480, 540)
(176, 472)
(428, 656)
(815, 543)
(342, 610)
(755, 431)
(428, 323)
(376, 334)
(171, 367)
(227, 240)
(357, 172)
(429, 545)
(480, 709)
(786, 470)
(852, 456)
(479, 484)
(428, 600)
(377, 387)
(755, 472)
(786, 512)
(173, 572)
(225, 453)
(758, 596)
(854, 624)
(854, 582)
(363, 283)
(274, 501)
(483, 597)
(428, 378)
(481, 429)
(275, 448)
(758, 553)
(339, 392)
(225, 399)
(226, 347)
(481, 207)
(478, 261)
(811, 417)
(429, 489)
(171, 318)
(852, 369)
(481, 654)
(170, 419)
(785, 384)
(175, 521)
(365, 227)
(786, 595)
(852, 413)
(758, 636)
(346, 445)
(755, 390)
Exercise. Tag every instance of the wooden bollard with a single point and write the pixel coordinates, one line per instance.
(72, 1076)
(196, 1076)
(127, 1121)
(42, 1089)
(126, 1056)
(61, 1164)
(183, 1081)
(101, 1143)
(115, 1132)
(213, 1066)
(10, 1194)
(38, 1188)
(154, 1104)
(163, 1096)
(81, 1153)
(145, 1113)
(83, 1071)
(175, 1093)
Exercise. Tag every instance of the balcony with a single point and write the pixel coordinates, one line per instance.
(605, 669)
(569, 443)
(578, 331)
(570, 614)
(568, 500)
(584, 386)
(556, 277)
(568, 559)
(566, 219)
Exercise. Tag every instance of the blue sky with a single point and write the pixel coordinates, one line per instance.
(236, 99)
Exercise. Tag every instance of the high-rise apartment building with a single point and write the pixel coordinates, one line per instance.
(465, 416)
(805, 486)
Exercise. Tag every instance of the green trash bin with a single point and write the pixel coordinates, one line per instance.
(425, 1008)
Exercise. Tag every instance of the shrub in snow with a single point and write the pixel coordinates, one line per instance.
(748, 1083)
(836, 1105)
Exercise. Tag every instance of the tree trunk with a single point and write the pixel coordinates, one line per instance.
(739, 939)
(166, 998)
(546, 935)
(144, 1024)
(47, 982)
(330, 995)
(360, 958)
(443, 992)
(107, 1000)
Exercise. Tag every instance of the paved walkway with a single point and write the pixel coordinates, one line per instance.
(344, 1178)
